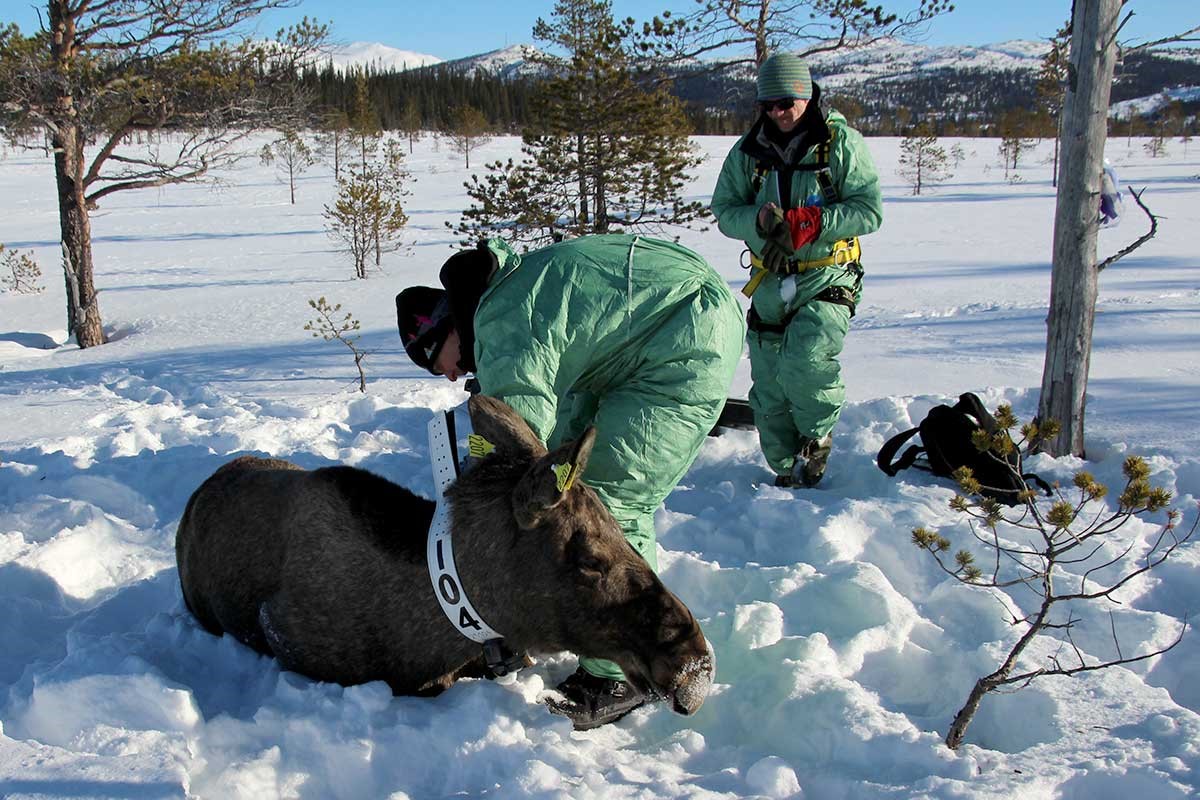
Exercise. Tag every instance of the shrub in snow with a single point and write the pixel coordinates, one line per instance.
(326, 328)
(923, 161)
(1060, 548)
(19, 272)
(292, 155)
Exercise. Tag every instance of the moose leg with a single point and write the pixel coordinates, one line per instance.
(272, 639)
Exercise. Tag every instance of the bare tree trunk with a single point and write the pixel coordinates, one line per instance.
(83, 312)
(580, 149)
(1074, 279)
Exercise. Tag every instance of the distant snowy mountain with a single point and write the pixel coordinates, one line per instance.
(509, 62)
(1143, 106)
(961, 80)
(380, 56)
(894, 60)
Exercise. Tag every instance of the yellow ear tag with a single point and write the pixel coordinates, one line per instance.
(564, 476)
(478, 447)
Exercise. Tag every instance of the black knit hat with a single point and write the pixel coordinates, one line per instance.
(423, 316)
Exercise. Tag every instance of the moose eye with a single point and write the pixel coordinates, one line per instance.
(582, 557)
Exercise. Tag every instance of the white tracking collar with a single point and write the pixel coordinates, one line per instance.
(447, 586)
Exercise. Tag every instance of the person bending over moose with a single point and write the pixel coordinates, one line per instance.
(636, 336)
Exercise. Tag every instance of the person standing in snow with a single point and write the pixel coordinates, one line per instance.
(799, 189)
(636, 336)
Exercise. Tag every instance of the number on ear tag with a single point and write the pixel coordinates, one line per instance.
(478, 447)
(564, 476)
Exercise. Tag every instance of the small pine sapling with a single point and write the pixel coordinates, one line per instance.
(1061, 549)
(292, 156)
(19, 273)
(923, 162)
(344, 331)
(368, 216)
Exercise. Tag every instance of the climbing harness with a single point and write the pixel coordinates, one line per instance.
(838, 295)
(845, 252)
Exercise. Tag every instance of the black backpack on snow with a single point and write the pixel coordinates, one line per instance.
(946, 443)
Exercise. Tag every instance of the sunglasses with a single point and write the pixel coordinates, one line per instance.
(786, 104)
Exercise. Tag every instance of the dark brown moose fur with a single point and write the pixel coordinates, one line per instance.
(325, 570)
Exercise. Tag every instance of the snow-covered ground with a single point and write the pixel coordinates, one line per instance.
(843, 652)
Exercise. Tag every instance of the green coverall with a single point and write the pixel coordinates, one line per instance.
(797, 390)
(637, 336)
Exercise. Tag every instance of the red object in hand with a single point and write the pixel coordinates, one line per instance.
(805, 224)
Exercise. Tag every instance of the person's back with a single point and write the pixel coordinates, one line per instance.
(589, 312)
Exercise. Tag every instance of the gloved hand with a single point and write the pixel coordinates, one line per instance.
(776, 258)
(772, 225)
(804, 225)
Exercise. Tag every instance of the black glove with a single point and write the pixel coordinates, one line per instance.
(775, 258)
(772, 226)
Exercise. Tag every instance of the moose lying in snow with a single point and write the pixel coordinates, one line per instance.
(326, 570)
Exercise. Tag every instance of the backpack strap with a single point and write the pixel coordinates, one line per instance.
(819, 165)
(892, 446)
(1033, 476)
(970, 404)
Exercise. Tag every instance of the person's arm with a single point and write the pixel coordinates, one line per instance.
(734, 202)
(859, 209)
(507, 377)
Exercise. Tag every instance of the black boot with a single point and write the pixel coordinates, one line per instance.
(590, 702)
(811, 461)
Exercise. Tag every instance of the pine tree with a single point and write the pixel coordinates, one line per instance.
(332, 136)
(922, 160)
(103, 76)
(367, 216)
(1015, 141)
(1051, 88)
(468, 130)
(1043, 546)
(363, 119)
(346, 330)
(19, 272)
(609, 150)
(293, 157)
(410, 121)
(756, 28)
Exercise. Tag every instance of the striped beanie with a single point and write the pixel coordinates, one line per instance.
(784, 75)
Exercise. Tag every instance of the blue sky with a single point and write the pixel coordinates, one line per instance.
(456, 28)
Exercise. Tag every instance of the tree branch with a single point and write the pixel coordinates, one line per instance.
(1084, 667)
(1186, 36)
(1137, 196)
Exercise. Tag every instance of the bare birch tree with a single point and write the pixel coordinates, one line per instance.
(101, 73)
(1074, 281)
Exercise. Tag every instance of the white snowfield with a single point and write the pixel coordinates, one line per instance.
(843, 652)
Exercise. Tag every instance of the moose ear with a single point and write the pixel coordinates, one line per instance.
(495, 421)
(549, 479)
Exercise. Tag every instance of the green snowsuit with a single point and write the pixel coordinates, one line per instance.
(636, 336)
(797, 390)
